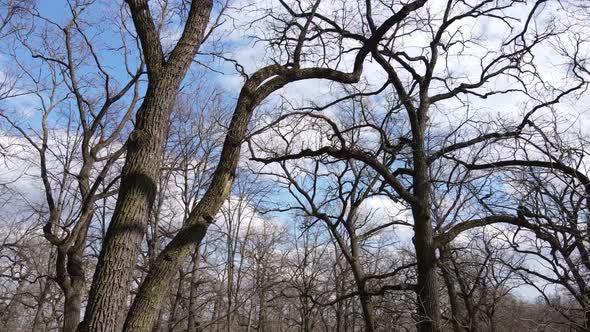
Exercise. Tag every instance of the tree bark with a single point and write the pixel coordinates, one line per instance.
(367, 308)
(77, 279)
(71, 279)
(112, 277)
(427, 288)
(72, 305)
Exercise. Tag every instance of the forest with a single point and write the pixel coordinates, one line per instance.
(294, 165)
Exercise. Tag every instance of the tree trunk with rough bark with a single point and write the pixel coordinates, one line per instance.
(72, 307)
(427, 287)
(110, 288)
(74, 288)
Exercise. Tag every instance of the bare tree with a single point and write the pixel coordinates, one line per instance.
(120, 249)
(427, 166)
(81, 153)
(478, 279)
(306, 266)
(257, 87)
(405, 147)
(554, 195)
(335, 194)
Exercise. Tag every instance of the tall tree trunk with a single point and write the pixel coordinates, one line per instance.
(359, 276)
(339, 317)
(456, 315)
(72, 305)
(112, 278)
(70, 278)
(367, 308)
(428, 307)
(150, 294)
(76, 289)
(110, 289)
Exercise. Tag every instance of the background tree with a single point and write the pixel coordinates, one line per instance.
(82, 152)
(405, 142)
